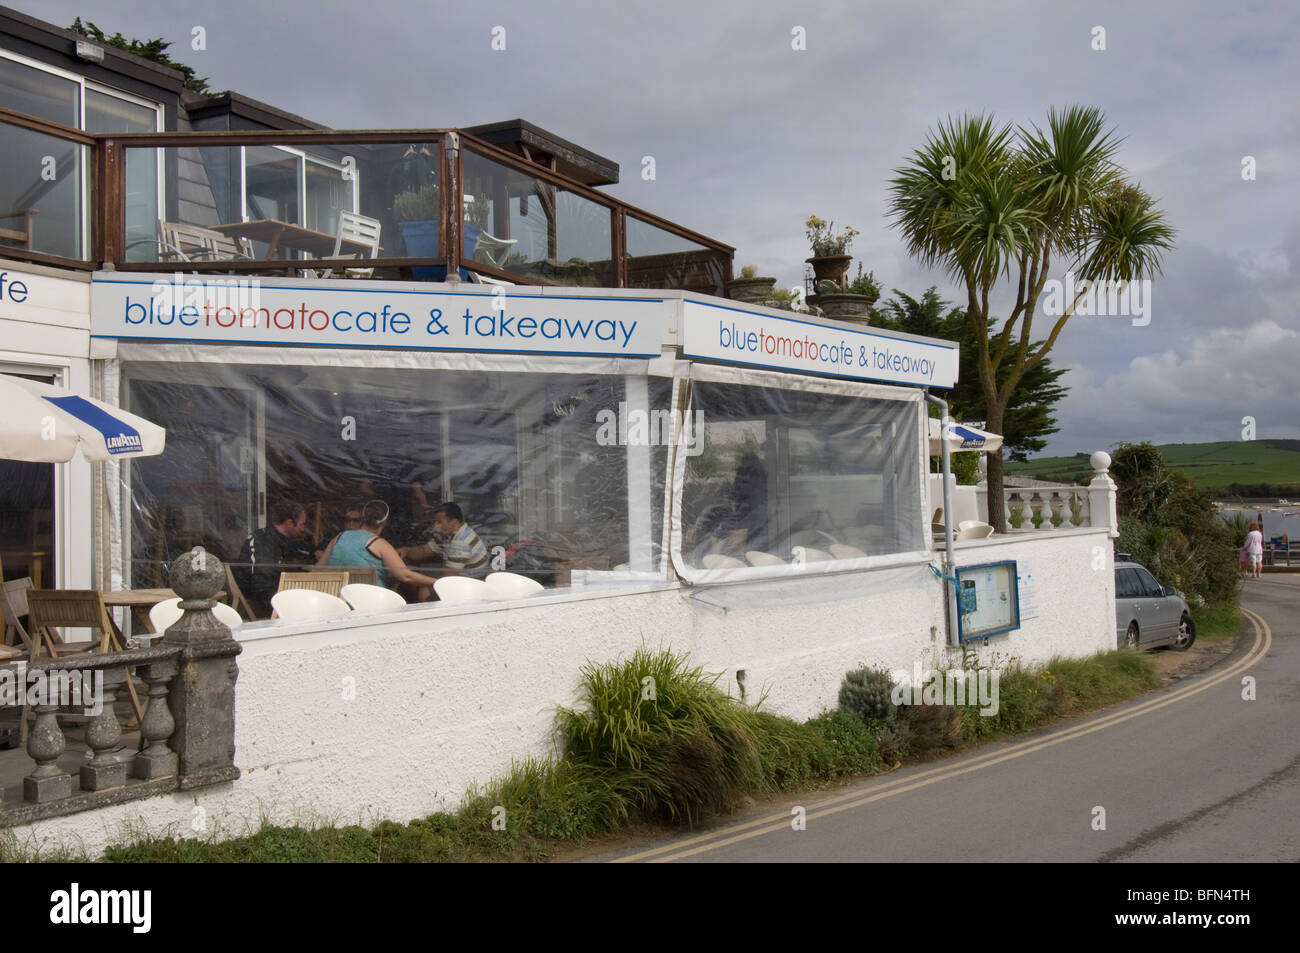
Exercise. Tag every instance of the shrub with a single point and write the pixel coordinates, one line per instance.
(663, 734)
(866, 693)
(932, 726)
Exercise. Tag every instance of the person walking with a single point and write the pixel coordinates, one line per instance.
(1255, 549)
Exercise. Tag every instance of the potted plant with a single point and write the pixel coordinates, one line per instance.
(750, 288)
(417, 219)
(849, 302)
(830, 252)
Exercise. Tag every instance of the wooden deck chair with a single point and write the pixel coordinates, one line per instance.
(75, 608)
(367, 575)
(332, 581)
(17, 642)
(235, 595)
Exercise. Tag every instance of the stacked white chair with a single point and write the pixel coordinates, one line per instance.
(461, 589)
(511, 585)
(363, 597)
(298, 605)
(168, 612)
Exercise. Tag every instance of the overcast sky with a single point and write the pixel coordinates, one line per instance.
(750, 136)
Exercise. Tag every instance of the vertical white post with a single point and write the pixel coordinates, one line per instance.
(639, 523)
(1101, 495)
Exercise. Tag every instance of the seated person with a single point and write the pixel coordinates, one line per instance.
(365, 547)
(266, 552)
(462, 551)
(351, 520)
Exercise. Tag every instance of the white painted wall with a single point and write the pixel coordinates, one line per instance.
(445, 698)
(49, 332)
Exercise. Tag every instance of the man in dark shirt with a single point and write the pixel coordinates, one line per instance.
(267, 551)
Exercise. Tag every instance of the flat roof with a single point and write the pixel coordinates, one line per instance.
(571, 160)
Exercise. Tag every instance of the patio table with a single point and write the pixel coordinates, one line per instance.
(276, 233)
(35, 560)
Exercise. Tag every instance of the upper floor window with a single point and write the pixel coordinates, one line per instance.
(44, 180)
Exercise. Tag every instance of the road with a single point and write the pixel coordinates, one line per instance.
(1191, 773)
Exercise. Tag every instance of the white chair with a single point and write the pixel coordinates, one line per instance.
(167, 613)
(461, 589)
(366, 598)
(511, 585)
(967, 524)
(492, 250)
(840, 551)
(758, 558)
(809, 555)
(719, 561)
(978, 531)
(355, 230)
(296, 605)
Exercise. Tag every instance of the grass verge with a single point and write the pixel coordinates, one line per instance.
(656, 741)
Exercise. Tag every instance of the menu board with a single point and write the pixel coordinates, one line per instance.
(988, 600)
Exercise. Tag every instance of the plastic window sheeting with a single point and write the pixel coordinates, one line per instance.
(797, 481)
(541, 464)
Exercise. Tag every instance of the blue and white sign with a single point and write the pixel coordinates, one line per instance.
(332, 314)
(723, 333)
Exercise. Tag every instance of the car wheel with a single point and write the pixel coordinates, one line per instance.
(1186, 633)
(1131, 637)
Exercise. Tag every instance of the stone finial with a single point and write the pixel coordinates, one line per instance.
(197, 575)
(1100, 462)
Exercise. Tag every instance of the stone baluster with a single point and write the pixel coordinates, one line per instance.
(45, 745)
(103, 771)
(202, 696)
(157, 760)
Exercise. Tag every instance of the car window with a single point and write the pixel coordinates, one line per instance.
(1148, 583)
(1126, 584)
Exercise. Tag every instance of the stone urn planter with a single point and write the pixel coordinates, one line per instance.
(846, 307)
(752, 290)
(830, 267)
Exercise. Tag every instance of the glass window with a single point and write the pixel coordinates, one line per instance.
(39, 93)
(41, 192)
(530, 458)
(790, 475)
(533, 228)
(270, 184)
(1126, 584)
(658, 258)
(1147, 584)
(27, 537)
(106, 113)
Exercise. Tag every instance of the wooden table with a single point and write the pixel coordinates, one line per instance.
(276, 233)
(140, 602)
(33, 559)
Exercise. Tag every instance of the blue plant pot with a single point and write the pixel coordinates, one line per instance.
(421, 239)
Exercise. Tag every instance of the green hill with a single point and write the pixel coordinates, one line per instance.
(1243, 467)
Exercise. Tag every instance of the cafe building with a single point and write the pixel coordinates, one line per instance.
(331, 317)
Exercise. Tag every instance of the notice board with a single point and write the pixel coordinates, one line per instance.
(988, 600)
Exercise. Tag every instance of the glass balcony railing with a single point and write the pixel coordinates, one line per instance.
(281, 203)
(326, 203)
(44, 191)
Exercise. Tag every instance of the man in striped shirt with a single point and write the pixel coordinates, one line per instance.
(462, 551)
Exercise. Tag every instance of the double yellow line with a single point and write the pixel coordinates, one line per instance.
(776, 823)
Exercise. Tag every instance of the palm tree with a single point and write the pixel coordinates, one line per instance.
(990, 203)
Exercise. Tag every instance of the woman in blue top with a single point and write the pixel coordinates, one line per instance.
(365, 547)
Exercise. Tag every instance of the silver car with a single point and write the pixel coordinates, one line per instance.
(1148, 614)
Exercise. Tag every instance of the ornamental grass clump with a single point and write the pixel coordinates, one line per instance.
(662, 735)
